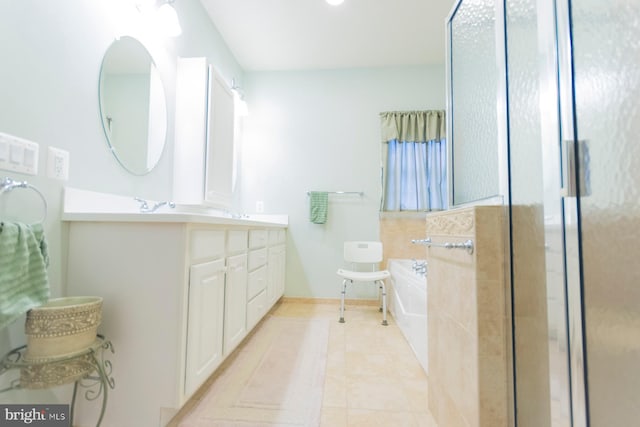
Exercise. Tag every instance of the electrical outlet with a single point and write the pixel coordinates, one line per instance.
(259, 206)
(58, 164)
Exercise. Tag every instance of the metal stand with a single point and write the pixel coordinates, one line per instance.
(87, 368)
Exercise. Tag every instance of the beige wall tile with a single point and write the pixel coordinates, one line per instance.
(396, 235)
(467, 316)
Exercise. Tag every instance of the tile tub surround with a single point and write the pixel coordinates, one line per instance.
(396, 232)
(467, 319)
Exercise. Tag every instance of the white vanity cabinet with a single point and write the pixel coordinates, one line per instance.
(256, 289)
(276, 265)
(235, 313)
(178, 298)
(204, 323)
(204, 135)
(205, 309)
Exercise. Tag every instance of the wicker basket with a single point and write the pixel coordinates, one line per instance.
(62, 327)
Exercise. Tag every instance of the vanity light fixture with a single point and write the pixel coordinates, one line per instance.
(242, 110)
(334, 2)
(168, 19)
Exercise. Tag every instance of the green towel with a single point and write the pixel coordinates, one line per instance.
(318, 206)
(23, 270)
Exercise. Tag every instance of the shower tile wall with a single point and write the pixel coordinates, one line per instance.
(467, 319)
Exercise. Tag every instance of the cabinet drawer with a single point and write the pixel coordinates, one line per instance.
(257, 258)
(256, 309)
(257, 238)
(206, 244)
(257, 282)
(276, 236)
(236, 240)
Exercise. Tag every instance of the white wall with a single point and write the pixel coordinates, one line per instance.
(320, 130)
(51, 55)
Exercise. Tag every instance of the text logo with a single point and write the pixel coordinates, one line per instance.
(35, 415)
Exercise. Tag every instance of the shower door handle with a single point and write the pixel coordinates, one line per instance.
(576, 179)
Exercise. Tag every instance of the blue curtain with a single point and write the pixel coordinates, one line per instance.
(416, 177)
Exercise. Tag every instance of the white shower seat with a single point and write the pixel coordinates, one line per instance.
(364, 252)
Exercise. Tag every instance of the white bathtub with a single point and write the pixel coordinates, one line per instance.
(409, 306)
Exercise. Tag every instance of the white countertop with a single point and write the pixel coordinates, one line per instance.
(263, 220)
(89, 206)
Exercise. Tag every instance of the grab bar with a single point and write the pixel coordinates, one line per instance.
(468, 245)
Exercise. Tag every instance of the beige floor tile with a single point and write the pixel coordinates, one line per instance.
(335, 391)
(371, 376)
(359, 363)
(333, 417)
(374, 393)
(425, 420)
(406, 365)
(369, 418)
(417, 393)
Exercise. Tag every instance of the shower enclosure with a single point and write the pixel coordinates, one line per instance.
(575, 210)
(566, 113)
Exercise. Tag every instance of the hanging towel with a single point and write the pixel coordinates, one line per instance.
(23, 270)
(318, 206)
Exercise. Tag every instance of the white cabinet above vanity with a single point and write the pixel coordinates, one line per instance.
(177, 292)
(204, 136)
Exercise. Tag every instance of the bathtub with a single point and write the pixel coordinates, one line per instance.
(409, 306)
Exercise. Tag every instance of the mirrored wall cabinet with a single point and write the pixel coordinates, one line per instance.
(204, 134)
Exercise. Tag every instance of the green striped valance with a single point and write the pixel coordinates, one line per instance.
(413, 126)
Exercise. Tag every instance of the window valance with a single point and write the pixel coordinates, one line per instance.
(413, 126)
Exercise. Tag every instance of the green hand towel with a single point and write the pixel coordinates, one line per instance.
(23, 270)
(318, 206)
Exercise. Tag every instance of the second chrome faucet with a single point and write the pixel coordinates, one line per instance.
(145, 208)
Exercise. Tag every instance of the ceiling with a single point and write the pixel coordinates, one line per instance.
(311, 34)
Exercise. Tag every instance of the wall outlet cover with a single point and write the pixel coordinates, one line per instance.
(58, 164)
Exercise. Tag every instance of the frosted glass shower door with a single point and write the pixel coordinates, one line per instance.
(606, 80)
(540, 231)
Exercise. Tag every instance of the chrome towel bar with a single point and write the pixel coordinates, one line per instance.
(468, 244)
(359, 193)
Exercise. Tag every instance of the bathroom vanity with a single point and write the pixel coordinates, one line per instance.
(181, 290)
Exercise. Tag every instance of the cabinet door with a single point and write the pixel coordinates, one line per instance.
(219, 157)
(205, 322)
(235, 316)
(275, 281)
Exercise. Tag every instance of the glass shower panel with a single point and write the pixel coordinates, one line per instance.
(540, 328)
(474, 84)
(607, 89)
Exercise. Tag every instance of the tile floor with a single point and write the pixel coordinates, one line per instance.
(372, 377)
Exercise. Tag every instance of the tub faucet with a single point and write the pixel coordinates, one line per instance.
(419, 267)
(144, 205)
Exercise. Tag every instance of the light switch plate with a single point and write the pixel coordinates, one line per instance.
(18, 154)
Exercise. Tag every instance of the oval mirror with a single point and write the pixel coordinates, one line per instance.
(132, 105)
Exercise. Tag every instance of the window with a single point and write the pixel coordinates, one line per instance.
(414, 161)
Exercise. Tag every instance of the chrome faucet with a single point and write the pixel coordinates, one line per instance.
(419, 267)
(144, 205)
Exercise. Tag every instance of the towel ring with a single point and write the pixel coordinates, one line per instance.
(9, 184)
